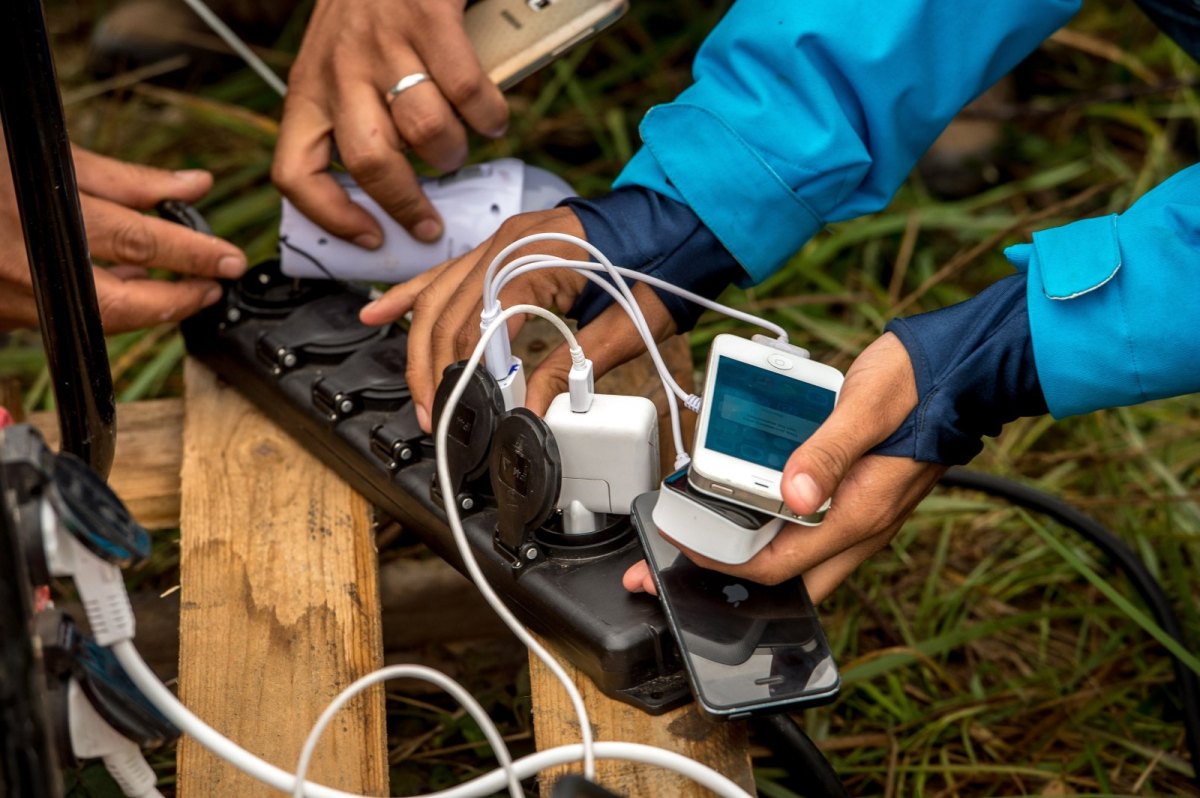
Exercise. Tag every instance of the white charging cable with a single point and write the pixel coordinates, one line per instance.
(672, 388)
(425, 674)
(485, 785)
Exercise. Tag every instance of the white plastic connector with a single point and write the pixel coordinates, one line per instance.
(497, 355)
(512, 384)
(100, 585)
(93, 738)
(581, 385)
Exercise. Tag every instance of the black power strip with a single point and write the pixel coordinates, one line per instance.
(297, 350)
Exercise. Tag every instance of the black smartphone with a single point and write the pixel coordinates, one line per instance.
(749, 649)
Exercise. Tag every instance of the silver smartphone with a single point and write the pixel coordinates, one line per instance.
(760, 404)
(748, 649)
(515, 38)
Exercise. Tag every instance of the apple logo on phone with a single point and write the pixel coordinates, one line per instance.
(735, 594)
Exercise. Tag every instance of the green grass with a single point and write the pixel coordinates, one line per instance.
(988, 652)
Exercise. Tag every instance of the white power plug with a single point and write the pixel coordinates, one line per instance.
(609, 453)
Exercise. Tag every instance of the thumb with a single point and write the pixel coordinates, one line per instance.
(878, 395)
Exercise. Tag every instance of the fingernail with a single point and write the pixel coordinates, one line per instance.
(191, 175)
(423, 418)
(211, 297)
(232, 267)
(428, 230)
(810, 492)
(498, 132)
(368, 240)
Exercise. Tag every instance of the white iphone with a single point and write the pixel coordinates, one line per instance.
(760, 404)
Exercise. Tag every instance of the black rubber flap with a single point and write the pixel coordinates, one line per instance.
(469, 438)
(526, 474)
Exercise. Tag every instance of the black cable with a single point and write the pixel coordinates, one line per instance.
(1123, 557)
(64, 289)
(782, 733)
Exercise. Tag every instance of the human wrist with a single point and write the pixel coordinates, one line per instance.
(974, 368)
(643, 230)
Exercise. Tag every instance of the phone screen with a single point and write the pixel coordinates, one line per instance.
(760, 416)
(746, 646)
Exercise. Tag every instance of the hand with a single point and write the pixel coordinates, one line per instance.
(872, 494)
(352, 53)
(111, 194)
(447, 300)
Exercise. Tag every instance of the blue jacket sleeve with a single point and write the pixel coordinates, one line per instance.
(804, 113)
(1114, 302)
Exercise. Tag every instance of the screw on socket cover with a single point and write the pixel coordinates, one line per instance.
(526, 479)
(322, 331)
(266, 292)
(399, 441)
(472, 426)
(370, 379)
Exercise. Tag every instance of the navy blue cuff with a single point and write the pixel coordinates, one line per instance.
(642, 230)
(975, 372)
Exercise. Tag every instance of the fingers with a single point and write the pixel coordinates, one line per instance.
(399, 299)
(130, 304)
(446, 308)
(371, 149)
(17, 308)
(300, 170)
(423, 372)
(637, 579)
(879, 393)
(873, 501)
(610, 340)
(135, 185)
(452, 62)
(426, 121)
(117, 233)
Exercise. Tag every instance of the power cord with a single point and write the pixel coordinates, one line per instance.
(1123, 557)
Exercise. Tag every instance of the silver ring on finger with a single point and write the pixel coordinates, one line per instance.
(404, 84)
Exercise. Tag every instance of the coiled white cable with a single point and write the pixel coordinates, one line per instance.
(423, 673)
(187, 722)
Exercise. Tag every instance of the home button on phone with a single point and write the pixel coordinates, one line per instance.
(780, 362)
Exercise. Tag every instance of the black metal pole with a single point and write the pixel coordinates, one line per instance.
(28, 765)
(48, 197)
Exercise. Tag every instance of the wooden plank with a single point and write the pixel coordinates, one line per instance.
(280, 600)
(722, 746)
(145, 472)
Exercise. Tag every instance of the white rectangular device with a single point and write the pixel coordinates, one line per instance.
(760, 404)
(609, 454)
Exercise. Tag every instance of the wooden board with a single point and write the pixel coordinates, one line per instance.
(722, 746)
(280, 600)
(145, 472)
